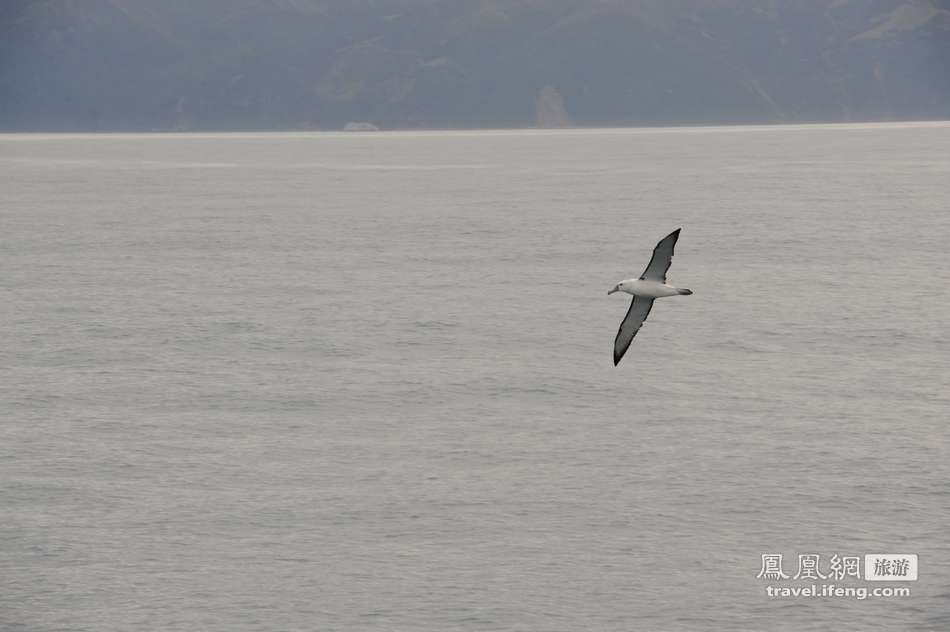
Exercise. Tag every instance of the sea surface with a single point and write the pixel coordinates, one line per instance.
(361, 382)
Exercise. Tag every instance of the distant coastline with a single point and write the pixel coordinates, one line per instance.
(467, 130)
(308, 65)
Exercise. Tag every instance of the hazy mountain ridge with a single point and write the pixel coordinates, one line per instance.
(218, 64)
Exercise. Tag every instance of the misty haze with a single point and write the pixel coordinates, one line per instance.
(317, 64)
(306, 326)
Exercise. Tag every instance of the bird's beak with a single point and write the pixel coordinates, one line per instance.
(616, 289)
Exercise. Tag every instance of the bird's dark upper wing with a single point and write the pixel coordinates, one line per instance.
(662, 256)
(638, 312)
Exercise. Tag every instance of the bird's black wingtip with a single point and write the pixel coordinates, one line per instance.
(617, 360)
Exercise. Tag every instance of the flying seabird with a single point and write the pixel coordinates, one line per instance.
(651, 285)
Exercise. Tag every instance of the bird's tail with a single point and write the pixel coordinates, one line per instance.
(684, 292)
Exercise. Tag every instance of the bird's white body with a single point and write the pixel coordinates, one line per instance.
(648, 289)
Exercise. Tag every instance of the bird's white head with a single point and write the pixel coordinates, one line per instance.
(617, 288)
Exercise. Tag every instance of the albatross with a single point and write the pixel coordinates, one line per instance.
(650, 286)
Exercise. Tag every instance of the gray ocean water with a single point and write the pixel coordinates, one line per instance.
(364, 382)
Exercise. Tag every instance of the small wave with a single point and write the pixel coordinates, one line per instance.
(434, 324)
(744, 346)
(382, 167)
(157, 164)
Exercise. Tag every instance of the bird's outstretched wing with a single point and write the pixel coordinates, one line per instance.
(638, 312)
(662, 256)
